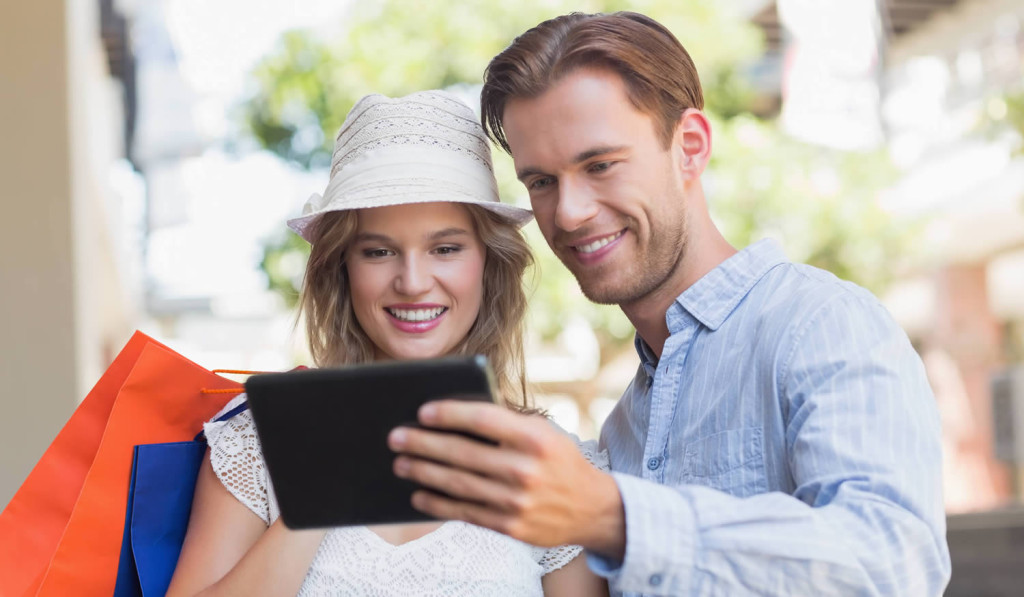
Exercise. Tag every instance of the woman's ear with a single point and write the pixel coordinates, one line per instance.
(693, 140)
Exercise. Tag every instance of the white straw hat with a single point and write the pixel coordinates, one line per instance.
(424, 147)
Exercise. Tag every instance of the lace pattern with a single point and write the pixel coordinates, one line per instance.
(456, 559)
(237, 459)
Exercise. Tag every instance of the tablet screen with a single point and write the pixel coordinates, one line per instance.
(324, 435)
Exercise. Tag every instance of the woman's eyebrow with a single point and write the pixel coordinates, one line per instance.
(383, 238)
(372, 236)
(447, 232)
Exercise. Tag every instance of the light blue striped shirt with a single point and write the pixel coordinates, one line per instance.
(786, 443)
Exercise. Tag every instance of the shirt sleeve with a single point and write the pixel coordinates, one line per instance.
(864, 449)
(237, 459)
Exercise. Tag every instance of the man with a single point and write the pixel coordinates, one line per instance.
(779, 436)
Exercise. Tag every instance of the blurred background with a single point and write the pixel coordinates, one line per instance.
(151, 150)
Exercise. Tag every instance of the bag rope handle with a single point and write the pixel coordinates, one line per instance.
(229, 390)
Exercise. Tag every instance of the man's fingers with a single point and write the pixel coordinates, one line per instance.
(444, 508)
(454, 482)
(491, 421)
(459, 452)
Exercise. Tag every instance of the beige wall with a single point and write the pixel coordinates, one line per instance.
(37, 314)
(61, 306)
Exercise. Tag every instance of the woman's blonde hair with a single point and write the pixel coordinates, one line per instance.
(336, 338)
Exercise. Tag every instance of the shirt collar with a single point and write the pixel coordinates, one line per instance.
(648, 359)
(715, 296)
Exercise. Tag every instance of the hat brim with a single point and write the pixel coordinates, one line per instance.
(517, 216)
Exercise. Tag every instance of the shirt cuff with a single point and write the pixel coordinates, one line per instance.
(661, 541)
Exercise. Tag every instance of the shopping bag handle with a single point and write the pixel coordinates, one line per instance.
(234, 411)
(201, 436)
(229, 390)
(239, 408)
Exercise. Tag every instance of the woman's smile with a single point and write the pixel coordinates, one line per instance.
(416, 277)
(416, 319)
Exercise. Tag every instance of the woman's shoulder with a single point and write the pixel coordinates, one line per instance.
(231, 405)
(227, 428)
(588, 448)
(237, 458)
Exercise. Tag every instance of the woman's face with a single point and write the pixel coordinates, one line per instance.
(416, 278)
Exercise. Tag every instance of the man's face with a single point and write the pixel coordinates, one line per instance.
(606, 193)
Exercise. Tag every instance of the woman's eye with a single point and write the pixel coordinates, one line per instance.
(376, 253)
(448, 250)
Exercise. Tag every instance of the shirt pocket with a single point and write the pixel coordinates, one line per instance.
(731, 461)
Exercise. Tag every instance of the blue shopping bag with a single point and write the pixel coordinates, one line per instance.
(159, 504)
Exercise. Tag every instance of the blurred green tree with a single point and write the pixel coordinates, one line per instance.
(1003, 116)
(821, 204)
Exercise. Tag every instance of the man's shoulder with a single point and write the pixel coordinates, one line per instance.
(792, 294)
(811, 286)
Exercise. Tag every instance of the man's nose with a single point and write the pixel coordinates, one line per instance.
(576, 205)
(414, 278)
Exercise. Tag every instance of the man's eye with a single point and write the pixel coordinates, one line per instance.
(600, 167)
(541, 183)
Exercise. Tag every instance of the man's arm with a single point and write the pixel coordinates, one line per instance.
(863, 444)
(864, 450)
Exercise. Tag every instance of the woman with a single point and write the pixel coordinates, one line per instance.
(413, 256)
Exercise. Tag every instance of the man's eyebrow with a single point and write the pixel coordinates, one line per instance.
(593, 153)
(527, 172)
(580, 157)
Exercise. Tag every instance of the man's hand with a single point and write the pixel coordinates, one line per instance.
(534, 485)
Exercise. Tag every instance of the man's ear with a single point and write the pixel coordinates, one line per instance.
(692, 140)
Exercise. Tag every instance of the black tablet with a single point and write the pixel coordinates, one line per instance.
(324, 435)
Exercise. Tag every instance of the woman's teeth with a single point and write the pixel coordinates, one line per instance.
(597, 244)
(417, 314)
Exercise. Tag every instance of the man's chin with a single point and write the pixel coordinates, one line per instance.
(604, 293)
(603, 284)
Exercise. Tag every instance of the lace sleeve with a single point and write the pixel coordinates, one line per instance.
(237, 459)
(551, 559)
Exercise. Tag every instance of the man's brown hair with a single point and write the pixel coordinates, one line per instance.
(660, 77)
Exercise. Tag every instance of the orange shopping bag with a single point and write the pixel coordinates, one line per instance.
(61, 533)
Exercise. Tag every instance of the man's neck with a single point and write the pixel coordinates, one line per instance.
(647, 314)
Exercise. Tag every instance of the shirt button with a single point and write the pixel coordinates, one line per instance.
(650, 381)
(653, 463)
(654, 580)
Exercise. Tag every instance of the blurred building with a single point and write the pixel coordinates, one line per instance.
(203, 294)
(926, 79)
(946, 81)
(68, 268)
(932, 81)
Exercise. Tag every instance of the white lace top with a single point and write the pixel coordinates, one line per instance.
(456, 559)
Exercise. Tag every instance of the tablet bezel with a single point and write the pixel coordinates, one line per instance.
(324, 435)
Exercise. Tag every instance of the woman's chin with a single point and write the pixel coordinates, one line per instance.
(412, 353)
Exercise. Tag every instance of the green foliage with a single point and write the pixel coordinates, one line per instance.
(284, 261)
(1004, 115)
(822, 204)
(305, 88)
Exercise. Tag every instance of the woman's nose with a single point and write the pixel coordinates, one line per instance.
(414, 277)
